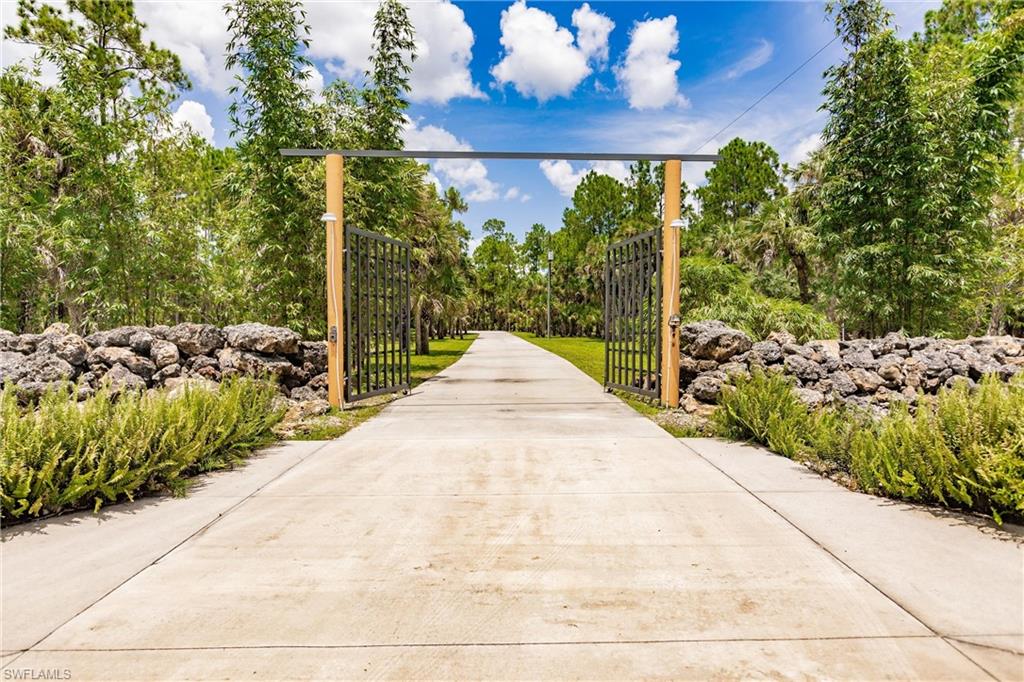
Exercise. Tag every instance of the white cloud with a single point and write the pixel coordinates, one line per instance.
(524, 198)
(12, 52)
(511, 193)
(315, 83)
(803, 148)
(592, 29)
(565, 178)
(468, 175)
(757, 58)
(193, 115)
(648, 73)
(342, 33)
(561, 174)
(542, 59)
(196, 31)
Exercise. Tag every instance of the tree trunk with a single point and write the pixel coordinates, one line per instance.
(803, 277)
(417, 316)
(423, 338)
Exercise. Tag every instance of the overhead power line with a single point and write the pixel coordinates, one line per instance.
(768, 92)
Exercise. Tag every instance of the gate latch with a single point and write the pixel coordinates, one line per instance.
(673, 321)
(332, 335)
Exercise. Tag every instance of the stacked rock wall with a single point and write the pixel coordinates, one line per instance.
(152, 357)
(868, 373)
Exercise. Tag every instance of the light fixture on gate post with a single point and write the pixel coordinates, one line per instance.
(677, 224)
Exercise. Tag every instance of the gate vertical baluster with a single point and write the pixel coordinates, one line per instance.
(376, 314)
(648, 301)
(642, 345)
(657, 266)
(346, 270)
(628, 302)
(606, 282)
(621, 313)
(616, 300)
(634, 292)
(405, 277)
(371, 244)
(357, 293)
(396, 328)
(652, 253)
(389, 311)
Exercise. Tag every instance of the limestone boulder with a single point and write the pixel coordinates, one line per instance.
(196, 339)
(163, 353)
(141, 341)
(315, 353)
(253, 364)
(263, 338)
(57, 329)
(707, 387)
(802, 368)
(69, 347)
(713, 340)
(768, 352)
(120, 379)
(866, 380)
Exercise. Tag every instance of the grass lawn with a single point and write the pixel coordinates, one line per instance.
(588, 355)
(338, 422)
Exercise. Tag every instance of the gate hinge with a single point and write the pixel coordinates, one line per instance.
(673, 321)
(332, 335)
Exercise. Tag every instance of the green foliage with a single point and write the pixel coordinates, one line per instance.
(913, 146)
(965, 449)
(390, 66)
(763, 408)
(714, 290)
(69, 455)
(746, 178)
(272, 110)
(72, 159)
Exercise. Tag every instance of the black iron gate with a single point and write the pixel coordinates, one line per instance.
(632, 315)
(376, 315)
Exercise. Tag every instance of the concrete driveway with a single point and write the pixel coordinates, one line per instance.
(507, 520)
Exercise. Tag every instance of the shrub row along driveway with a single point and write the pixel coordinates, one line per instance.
(506, 520)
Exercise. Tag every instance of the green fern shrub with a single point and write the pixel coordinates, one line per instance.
(963, 449)
(966, 450)
(66, 455)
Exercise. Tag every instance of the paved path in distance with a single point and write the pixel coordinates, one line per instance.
(507, 520)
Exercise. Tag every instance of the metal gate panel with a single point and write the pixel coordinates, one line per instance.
(377, 319)
(632, 315)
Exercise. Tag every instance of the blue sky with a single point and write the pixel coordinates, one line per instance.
(597, 76)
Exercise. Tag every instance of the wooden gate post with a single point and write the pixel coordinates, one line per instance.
(334, 223)
(670, 287)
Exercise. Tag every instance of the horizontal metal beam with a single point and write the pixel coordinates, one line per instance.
(474, 154)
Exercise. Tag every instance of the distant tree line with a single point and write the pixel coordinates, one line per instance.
(909, 215)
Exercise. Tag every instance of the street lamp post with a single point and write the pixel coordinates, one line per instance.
(551, 257)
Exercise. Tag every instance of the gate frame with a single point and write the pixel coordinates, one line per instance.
(610, 368)
(334, 220)
(403, 354)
